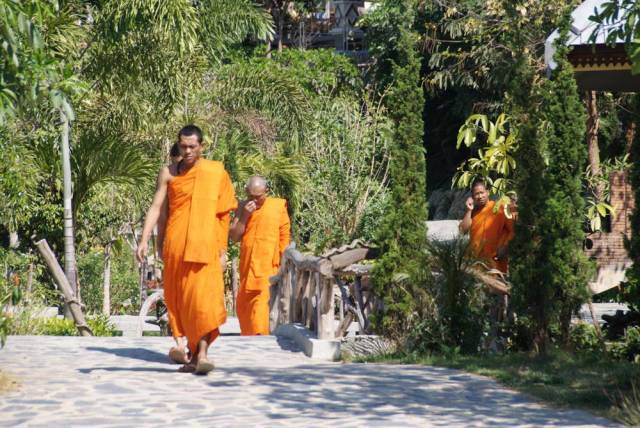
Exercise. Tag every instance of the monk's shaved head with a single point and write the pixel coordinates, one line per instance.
(256, 184)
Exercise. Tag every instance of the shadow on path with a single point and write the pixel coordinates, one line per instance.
(130, 369)
(134, 353)
(375, 393)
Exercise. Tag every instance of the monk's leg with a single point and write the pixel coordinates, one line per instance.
(203, 365)
(243, 311)
(260, 313)
(178, 353)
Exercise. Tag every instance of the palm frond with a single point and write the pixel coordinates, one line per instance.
(284, 174)
(112, 159)
(225, 23)
(240, 87)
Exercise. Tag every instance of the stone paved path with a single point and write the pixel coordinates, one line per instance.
(260, 381)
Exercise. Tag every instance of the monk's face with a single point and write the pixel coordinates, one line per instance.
(480, 195)
(257, 194)
(190, 149)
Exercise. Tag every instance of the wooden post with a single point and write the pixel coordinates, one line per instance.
(64, 286)
(30, 281)
(285, 295)
(326, 325)
(357, 294)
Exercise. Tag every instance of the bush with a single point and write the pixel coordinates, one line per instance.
(583, 337)
(462, 304)
(58, 327)
(125, 293)
(629, 413)
(629, 347)
(101, 326)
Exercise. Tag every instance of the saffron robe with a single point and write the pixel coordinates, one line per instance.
(196, 235)
(489, 231)
(266, 236)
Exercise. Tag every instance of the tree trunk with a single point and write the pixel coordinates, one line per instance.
(629, 136)
(106, 281)
(14, 239)
(270, 10)
(70, 267)
(65, 288)
(593, 125)
(540, 335)
(565, 326)
(30, 281)
(281, 12)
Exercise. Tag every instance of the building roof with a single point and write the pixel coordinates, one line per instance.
(598, 66)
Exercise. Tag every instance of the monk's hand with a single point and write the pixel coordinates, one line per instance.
(141, 252)
(469, 204)
(248, 209)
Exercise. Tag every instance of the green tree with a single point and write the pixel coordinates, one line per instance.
(401, 274)
(549, 271)
(632, 286)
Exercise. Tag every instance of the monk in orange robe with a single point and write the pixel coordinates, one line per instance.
(262, 226)
(178, 353)
(200, 198)
(489, 228)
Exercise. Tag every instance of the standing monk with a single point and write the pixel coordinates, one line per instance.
(490, 232)
(178, 353)
(262, 225)
(200, 197)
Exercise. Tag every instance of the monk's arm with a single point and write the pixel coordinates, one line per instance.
(162, 223)
(465, 223)
(285, 231)
(238, 225)
(153, 214)
(223, 230)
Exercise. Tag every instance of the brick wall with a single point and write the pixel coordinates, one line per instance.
(607, 248)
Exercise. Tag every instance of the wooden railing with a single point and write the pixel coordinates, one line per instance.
(306, 289)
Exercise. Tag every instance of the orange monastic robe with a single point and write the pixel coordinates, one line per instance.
(196, 234)
(264, 240)
(490, 231)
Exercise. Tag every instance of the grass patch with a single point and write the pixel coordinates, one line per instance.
(592, 382)
(7, 382)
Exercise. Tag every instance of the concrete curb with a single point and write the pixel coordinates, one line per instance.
(317, 349)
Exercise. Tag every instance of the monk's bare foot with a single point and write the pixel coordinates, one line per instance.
(178, 355)
(204, 366)
(187, 368)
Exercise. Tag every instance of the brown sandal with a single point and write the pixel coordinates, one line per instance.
(178, 356)
(204, 367)
(187, 368)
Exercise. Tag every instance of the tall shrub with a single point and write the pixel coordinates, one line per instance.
(401, 275)
(632, 285)
(549, 270)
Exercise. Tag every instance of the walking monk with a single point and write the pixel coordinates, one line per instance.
(262, 226)
(490, 232)
(200, 198)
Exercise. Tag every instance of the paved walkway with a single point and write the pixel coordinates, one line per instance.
(259, 381)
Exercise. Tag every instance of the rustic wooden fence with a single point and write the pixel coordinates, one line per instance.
(324, 293)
